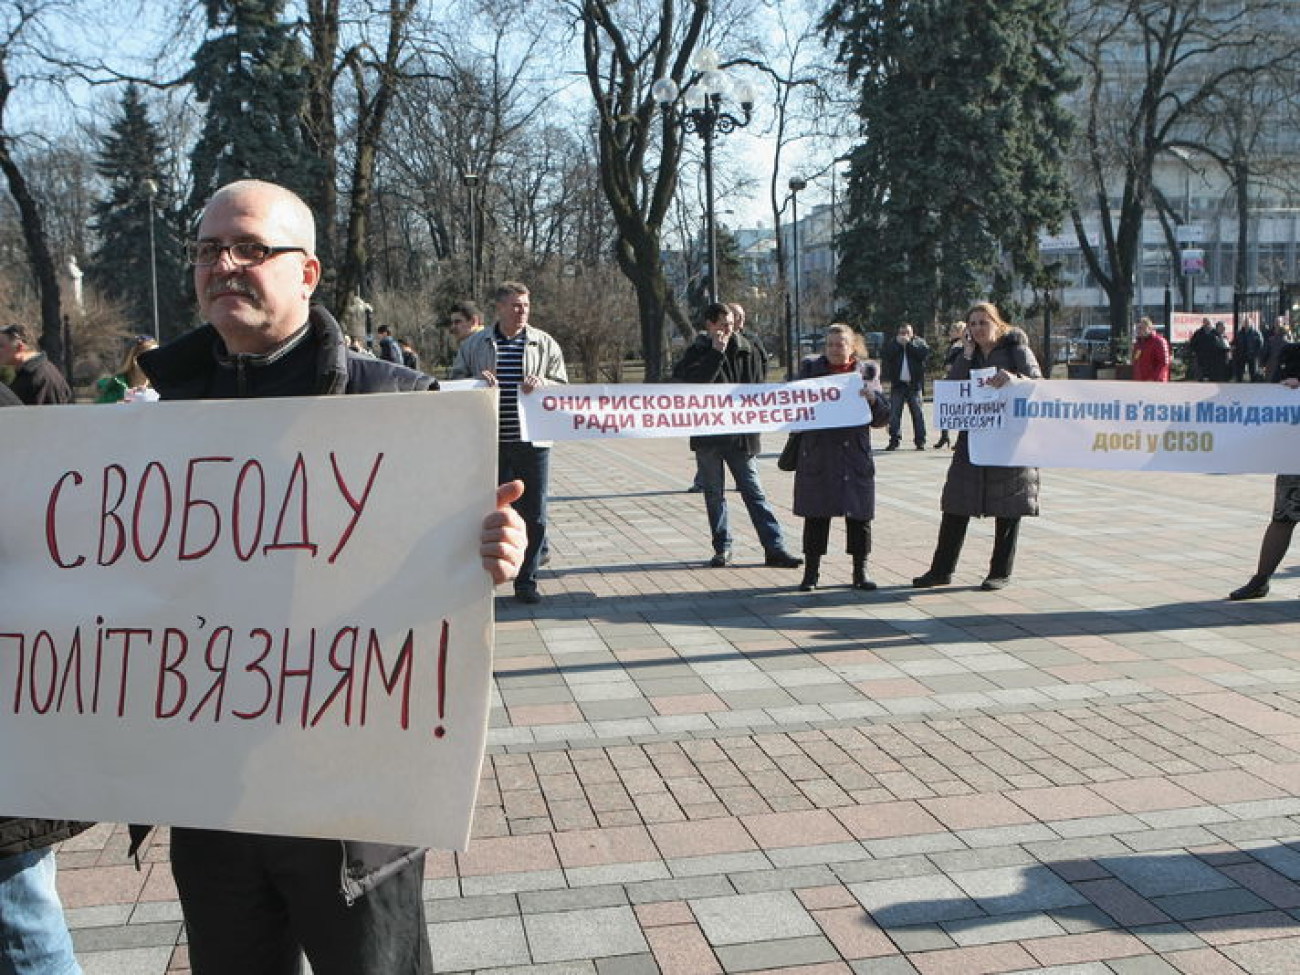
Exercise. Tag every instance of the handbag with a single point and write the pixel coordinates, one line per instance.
(789, 459)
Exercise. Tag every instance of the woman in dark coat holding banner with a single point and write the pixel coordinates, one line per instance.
(836, 475)
(972, 491)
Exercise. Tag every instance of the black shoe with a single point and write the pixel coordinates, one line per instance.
(920, 446)
(941, 443)
(809, 582)
(893, 445)
(781, 559)
(993, 583)
(1257, 588)
(695, 489)
(931, 579)
(721, 559)
(529, 597)
(545, 559)
(864, 583)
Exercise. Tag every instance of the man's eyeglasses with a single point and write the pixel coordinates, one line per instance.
(245, 253)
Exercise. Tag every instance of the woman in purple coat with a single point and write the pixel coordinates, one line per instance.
(836, 475)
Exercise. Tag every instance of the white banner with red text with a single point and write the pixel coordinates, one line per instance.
(1205, 428)
(691, 409)
(262, 615)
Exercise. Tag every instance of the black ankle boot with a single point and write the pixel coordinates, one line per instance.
(860, 578)
(811, 569)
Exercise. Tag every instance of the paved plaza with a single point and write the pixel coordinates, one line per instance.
(692, 770)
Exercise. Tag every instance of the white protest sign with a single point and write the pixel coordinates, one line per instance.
(264, 615)
(1207, 428)
(968, 404)
(692, 409)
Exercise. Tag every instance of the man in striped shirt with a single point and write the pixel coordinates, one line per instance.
(517, 359)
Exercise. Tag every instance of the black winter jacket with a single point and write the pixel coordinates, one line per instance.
(741, 362)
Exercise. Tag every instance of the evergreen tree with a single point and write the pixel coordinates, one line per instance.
(253, 78)
(962, 162)
(132, 159)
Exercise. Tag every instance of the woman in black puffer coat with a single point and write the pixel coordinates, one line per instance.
(1006, 494)
(836, 475)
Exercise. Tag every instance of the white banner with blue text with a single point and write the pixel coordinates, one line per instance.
(1206, 428)
(692, 409)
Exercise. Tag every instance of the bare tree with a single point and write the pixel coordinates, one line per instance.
(1149, 71)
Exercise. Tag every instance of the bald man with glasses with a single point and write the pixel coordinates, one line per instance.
(254, 904)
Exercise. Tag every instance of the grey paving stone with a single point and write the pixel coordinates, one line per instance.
(743, 918)
(130, 961)
(1176, 838)
(914, 900)
(1154, 875)
(902, 846)
(480, 943)
(1212, 903)
(103, 915)
(827, 853)
(1015, 890)
(1084, 918)
(126, 936)
(776, 954)
(1273, 955)
(893, 965)
(1001, 856)
(617, 873)
(757, 881)
(472, 908)
(707, 885)
(597, 933)
(1007, 927)
(920, 938)
(572, 900)
(627, 965)
(719, 863)
(1142, 965)
(514, 883)
(893, 868)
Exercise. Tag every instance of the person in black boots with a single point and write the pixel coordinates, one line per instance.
(903, 363)
(956, 342)
(836, 475)
(1286, 503)
(1005, 493)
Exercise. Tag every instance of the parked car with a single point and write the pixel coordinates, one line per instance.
(1091, 345)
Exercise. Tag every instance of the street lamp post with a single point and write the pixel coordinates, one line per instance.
(151, 188)
(471, 183)
(702, 114)
(796, 185)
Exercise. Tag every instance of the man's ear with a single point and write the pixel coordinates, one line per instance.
(311, 272)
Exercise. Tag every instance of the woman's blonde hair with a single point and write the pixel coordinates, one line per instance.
(857, 344)
(131, 370)
(987, 307)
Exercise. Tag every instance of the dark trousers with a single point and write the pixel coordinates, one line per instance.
(525, 462)
(253, 903)
(952, 535)
(901, 393)
(817, 533)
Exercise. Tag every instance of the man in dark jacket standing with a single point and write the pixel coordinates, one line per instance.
(904, 366)
(723, 355)
(36, 381)
(253, 903)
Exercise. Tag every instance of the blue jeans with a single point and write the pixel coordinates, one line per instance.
(909, 393)
(34, 937)
(532, 465)
(709, 463)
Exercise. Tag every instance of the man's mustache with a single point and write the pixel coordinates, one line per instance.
(226, 285)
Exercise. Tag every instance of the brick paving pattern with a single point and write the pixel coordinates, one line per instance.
(1093, 772)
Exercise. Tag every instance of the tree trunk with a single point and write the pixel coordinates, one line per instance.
(38, 250)
(323, 28)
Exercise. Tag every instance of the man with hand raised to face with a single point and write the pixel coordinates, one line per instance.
(254, 904)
